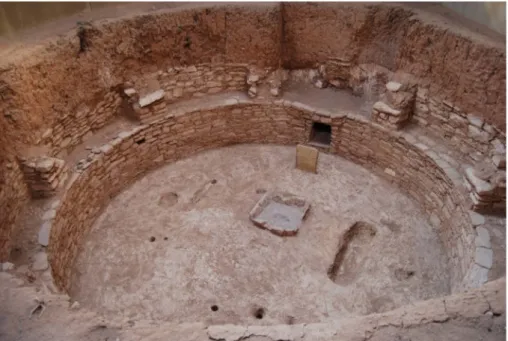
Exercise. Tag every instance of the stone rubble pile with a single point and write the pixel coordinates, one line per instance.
(44, 175)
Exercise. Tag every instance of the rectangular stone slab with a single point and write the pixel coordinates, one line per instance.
(306, 158)
(280, 213)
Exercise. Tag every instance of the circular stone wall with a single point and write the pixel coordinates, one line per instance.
(175, 137)
(178, 73)
(179, 241)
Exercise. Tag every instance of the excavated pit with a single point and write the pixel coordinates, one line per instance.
(215, 255)
(134, 150)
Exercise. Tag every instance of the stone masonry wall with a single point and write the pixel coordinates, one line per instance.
(178, 136)
(13, 196)
(181, 83)
(461, 67)
(52, 94)
(44, 175)
(75, 127)
(55, 79)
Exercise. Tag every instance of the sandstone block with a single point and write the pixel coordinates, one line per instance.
(40, 261)
(385, 108)
(483, 257)
(476, 218)
(253, 91)
(151, 98)
(483, 238)
(306, 158)
(44, 233)
(393, 86)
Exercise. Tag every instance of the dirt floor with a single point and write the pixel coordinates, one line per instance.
(179, 242)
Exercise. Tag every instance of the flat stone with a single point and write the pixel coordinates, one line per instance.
(124, 135)
(478, 134)
(275, 92)
(191, 68)
(483, 257)
(177, 92)
(385, 108)
(393, 86)
(279, 213)
(278, 332)
(390, 171)
(480, 186)
(44, 233)
(7, 266)
(130, 92)
(252, 79)
(476, 276)
(483, 237)
(49, 214)
(320, 83)
(151, 98)
(227, 332)
(45, 165)
(435, 221)
(65, 142)
(499, 161)
(75, 305)
(306, 158)
(106, 148)
(252, 91)
(47, 133)
(476, 121)
(40, 261)
(476, 218)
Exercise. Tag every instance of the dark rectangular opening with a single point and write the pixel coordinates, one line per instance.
(141, 141)
(321, 133)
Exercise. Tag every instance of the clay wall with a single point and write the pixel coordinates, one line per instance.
(175, 137)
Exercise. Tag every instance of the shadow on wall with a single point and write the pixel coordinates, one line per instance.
(491, 14)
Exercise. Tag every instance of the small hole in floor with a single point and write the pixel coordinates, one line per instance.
(259, 313)
(214, 308)
(152, 239)
(165, 238)
(213, 181)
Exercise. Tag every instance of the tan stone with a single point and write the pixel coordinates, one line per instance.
(306, 158)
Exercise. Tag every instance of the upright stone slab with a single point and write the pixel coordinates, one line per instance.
(306, 158)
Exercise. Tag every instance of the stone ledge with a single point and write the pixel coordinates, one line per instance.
(155, 143)
(469, 305)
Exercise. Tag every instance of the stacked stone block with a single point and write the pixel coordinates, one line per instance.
(180, 83)
(150, 106)
(395, 107)
(44, 175)
(465, 131)
(469, 134)
(13, 196)
(75, 127)
(487, 184)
